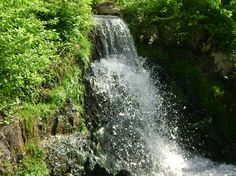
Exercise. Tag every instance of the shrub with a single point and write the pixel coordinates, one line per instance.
(26, 49)
(184, 21)
(34, 35)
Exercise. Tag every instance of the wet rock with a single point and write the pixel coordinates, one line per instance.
(97, 171)
(123, 173)
(73, 155)
(107, 8)
(94, 104)
(67, 154)
(65, 121)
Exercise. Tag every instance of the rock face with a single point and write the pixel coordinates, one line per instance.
(68, 152)
(67, 155)
(107, 8)
(223, 63)
(66, 120)
(101, 171)
(11, 146)
(94, 105)
(73, 155)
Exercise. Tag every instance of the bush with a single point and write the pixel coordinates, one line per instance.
(26, 49)
(183, 22)
(34, 35)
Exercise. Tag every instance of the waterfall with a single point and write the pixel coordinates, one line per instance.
(133, 131)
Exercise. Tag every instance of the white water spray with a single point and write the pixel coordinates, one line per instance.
(135, 135)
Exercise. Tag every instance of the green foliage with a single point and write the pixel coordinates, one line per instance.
(71, 19)
(99, 1)
(143, 15)
(57, 96)
(194, 83)
(189, 23)
(34, 36)
(207, 96)
(25, 51)
(33, 163)
(69, 89)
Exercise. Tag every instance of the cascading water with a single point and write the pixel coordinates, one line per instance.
(134, 133)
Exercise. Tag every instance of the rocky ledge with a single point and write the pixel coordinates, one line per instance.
(107, 8)
(73, 155)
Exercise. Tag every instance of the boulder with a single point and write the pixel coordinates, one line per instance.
(67, 154)
(107, 8)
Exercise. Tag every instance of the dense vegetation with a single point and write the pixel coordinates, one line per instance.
(45, 48)
(187, 22)
(35, 38)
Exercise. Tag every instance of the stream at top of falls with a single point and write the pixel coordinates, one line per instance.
(135, 135)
